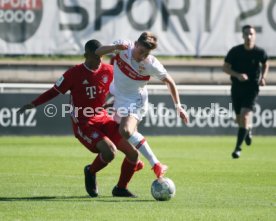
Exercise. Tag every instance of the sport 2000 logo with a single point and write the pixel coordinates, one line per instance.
(15, 14)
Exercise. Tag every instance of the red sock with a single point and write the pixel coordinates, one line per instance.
(97, 164)
(127, 171)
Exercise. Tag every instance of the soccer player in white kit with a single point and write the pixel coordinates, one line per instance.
(133, 67)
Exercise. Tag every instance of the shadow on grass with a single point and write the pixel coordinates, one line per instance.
(106, 199)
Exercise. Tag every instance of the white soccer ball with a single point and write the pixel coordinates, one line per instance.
(163, 189)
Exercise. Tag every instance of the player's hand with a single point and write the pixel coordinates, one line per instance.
(262, 82)
(25, 107)
(242, 77)
(109, 101)
(121, 47)
(183, 114)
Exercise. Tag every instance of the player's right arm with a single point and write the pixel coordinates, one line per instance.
(43, 98)
(63, 84)
(227, 66)
(228, 70)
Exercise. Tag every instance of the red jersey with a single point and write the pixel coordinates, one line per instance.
(88, 90)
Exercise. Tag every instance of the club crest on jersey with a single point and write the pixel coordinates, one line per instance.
(141, 68)
(59, 81)
(95, 135)
(105, 79)
(85, 82)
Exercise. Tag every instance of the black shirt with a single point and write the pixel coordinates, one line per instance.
(246, 61)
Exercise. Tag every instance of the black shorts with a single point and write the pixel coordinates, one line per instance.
(244, 96)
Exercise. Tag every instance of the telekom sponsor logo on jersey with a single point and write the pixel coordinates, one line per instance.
(19, 19)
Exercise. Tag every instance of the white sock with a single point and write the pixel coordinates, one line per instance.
(142, 145)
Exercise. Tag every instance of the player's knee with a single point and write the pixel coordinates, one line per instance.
(110, 155)
(133, 155)
(125, 132)
(107, 149)
(113, 151)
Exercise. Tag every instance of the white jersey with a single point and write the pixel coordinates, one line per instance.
(131, 77)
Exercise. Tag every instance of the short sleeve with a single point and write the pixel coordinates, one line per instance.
(264, 57)
(230, 56)
(65, 82)
(120, 41)
(157, 69)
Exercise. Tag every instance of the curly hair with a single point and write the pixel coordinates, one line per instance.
(92, 45)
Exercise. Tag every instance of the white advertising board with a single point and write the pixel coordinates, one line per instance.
(183, 27)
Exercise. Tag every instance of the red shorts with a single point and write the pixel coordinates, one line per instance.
(90, 133)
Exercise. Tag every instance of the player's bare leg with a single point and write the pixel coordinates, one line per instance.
(249, 135)
(131, 153)
(128, 129)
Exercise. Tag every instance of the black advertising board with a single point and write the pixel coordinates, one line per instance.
(209, 115)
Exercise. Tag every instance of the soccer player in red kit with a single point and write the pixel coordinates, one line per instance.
(93, 127)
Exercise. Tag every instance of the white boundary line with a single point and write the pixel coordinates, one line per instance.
(153, 89)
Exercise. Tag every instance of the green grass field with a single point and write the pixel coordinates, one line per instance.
(41, 178)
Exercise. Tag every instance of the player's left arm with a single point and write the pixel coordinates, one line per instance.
(175, 96)
(109, 101)
(264, 72)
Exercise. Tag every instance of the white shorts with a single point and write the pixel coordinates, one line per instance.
(135, 106)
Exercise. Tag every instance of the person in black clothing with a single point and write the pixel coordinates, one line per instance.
(247, 65)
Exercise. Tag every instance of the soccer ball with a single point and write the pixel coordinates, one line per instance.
(163, 189)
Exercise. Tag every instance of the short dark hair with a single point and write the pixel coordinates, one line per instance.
(148, 40)
(247, 27)
(92, 45)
